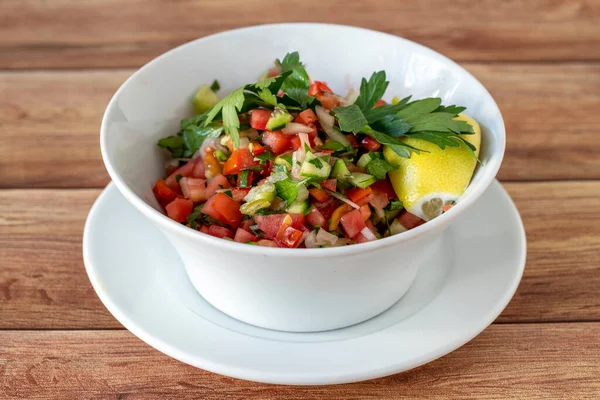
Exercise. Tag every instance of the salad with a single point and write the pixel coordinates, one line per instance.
(286, 162)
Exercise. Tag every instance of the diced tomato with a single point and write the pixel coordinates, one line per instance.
(270, 224)
(259, 118)
(179, 209)
(447, 207)
(327, 208)
(247, 181)
(315, 218)
(246, 224)
(239, 159)
(352, 141)
(224, 209)
(277, 141)
(409, 220)
(289, 237)
(184, 170)
(306, 117)
(199, 170)
(329, 184)
(266, 169)
(370, 226)
(328, 101)
(359, 196)
(353, 223)
(204, 229)
(266, 243)
(370, 144)
(380, 199)
(365, 211)
(238, 194)
(379, 103)
(244, 236)
(296, 142)
(216, 183)
(319, 194)
(360, 238)
(257, 149)
(220, 231)
(163, 193)
(194, 189)
(385, 187)
(318, 87)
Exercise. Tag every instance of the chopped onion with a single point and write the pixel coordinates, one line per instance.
(344, 199)
(325, 238)
(278, 176)
(311, 240)
(342, 242)
(327, 122)
(293, 127)
(351, 97)
(368, 234)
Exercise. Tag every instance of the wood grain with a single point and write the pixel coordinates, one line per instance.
(550, 361)
(43, 282)
(50, 123)
(113, 33)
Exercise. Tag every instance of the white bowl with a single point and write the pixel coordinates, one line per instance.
(289, 289)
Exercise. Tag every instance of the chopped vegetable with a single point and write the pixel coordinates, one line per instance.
(286, 162)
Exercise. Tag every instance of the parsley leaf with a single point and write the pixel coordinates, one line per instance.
(191, 219)
(215, 86)
(229, 106)
(451, 109)
(379, 168)
(297, 83)
(420, 107)
(268, 97)
(391, 125)
(174, 144)
(287, 189)
(400, 148)
(371, 91)
(194, 136)
(264, 157)
(350, 118)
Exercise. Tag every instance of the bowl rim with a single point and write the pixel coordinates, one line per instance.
(173, 227)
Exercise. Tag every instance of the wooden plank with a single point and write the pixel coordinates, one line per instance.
(562, 223)
(101, 33)
(51, 127)
(547, 361)
(43, 283)
(50, 123)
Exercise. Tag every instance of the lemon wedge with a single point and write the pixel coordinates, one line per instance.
(426, 182)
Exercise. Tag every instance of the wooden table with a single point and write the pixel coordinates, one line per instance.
(61, 60)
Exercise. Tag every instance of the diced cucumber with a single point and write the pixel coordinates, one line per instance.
(340, 170)
(258, 198)
(286, 161)
(364, 160)
(315, 168)
(361, 180)
(279, 119)
(300, 207)
(205, 99)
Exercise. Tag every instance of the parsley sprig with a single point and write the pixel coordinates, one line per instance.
(424, 119)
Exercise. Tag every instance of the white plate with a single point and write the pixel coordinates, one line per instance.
(468, 279)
